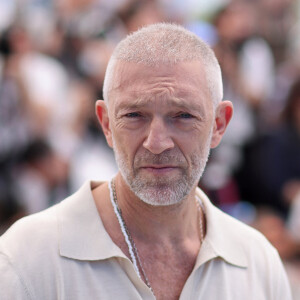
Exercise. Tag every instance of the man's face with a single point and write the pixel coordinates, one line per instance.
(161, 121)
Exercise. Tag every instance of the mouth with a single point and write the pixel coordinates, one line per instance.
(159, 169)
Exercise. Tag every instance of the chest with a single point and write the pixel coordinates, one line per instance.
(168, 275)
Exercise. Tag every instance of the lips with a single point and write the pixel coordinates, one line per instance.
(159, 169)
(159, 166)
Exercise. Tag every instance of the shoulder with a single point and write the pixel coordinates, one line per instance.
(244, 247)
(43, 228)
(27, 253)
(246, 238)
(31, 249)
(31, 228)
(236, 241)
(27, 242)
(240, 230)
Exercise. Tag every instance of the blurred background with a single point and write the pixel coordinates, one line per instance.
(53, 55)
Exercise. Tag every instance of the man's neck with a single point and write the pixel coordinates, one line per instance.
(160, 225)
(167, 238)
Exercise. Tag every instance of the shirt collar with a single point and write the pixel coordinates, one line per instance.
(222, 236)
(82, 235)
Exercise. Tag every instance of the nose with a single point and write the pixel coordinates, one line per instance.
(158, 138)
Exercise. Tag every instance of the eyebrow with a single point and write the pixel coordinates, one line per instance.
(142, 102)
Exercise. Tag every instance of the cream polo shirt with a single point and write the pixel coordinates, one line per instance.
(65, 253)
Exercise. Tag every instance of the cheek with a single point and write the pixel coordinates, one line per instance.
(125, 145)
(196, 139)
(196, 146)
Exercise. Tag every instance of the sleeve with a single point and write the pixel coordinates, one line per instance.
(11, 284)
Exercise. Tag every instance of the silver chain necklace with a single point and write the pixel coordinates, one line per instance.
(133, 251)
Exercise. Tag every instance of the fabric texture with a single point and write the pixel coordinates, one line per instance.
(64, 252)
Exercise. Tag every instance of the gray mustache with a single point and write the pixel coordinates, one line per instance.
(160, 159)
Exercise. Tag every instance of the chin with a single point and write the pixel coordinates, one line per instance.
(161, 195)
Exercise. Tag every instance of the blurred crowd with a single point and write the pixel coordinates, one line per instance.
(53, 55)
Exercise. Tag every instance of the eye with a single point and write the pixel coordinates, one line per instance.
(184, 116)
(133, 115)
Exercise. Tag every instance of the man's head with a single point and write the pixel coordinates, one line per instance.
(165, 43)
(163, 111)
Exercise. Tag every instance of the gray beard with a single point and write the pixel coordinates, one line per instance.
(163, 191)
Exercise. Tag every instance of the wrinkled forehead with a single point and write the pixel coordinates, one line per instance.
(180, 79)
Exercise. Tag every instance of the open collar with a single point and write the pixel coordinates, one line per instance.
(223, 236)
(82, 235)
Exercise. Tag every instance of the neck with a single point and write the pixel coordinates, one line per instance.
(159, 224)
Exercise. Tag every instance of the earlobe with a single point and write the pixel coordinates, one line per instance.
(223, 116)
(103, 118)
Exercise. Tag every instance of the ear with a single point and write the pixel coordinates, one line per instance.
(103, 118)
(223, 116)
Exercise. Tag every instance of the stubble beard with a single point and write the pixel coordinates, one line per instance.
(163, 190)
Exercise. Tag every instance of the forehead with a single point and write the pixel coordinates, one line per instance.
(181, 82)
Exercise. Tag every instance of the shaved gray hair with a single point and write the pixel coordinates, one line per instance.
(164, 43)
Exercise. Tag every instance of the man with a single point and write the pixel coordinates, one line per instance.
(150, 232)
